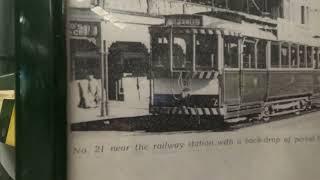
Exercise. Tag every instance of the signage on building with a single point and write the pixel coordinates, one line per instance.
(184, 20)
(84, 29)
(83, 3)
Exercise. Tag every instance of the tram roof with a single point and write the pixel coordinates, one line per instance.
(210, 25)
(240, 28)
(243, 28)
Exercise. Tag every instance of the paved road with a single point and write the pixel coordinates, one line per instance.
(246, 161)
(307, 122)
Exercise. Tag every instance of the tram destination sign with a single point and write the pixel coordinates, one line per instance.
(183, 20)
(84, 29)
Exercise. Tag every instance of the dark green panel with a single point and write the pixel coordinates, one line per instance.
(7, 66)
(41, 87)
(6, 28)
(7, 82)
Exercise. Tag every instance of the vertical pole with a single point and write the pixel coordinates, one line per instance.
(256, 53)
(102, 82)
(103, 108)
(289, 55)
(106, 76)
(194, 52)
(317, 58)
(171, 49)
(240, 67)
(220, 59)
(280, 55)
(305, 57)
(312, 57)
(298, 55)
(268, 66)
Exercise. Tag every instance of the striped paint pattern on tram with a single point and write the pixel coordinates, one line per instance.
(188, 111)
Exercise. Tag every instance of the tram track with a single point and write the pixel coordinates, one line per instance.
(142, 124)
(247, 124)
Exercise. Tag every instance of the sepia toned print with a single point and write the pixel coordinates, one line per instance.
(193, 89)
(160, 65)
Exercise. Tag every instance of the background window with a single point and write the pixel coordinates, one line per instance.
(302, 58)
(303, 15)
(231, 52)
(294, 56)
(249, 60)
(309, 57)
(316, 58)
(275, 58)
(318, 61)
(285, 56)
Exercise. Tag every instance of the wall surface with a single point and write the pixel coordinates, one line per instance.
(7, 154)
(6, 27)
(6, 36)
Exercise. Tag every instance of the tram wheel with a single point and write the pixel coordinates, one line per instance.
(265, 114)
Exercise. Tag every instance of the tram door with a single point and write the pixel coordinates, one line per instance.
(231, 53)
(253, 74)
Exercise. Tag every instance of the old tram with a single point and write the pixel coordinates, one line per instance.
(209, 68)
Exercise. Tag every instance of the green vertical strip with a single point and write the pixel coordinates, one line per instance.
(40, 91)
(60, 95)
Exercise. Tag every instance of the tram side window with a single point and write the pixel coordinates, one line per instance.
(302, 57)
(316, 58)
(294, 56)
(275, 56)
(206, 52)
(160, 51)
(249, 59)
(262, 54)
(182, 51)
(284, 55)
(309, 57)
(231, 52)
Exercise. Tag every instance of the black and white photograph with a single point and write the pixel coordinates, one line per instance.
(159, 65)
(193, 89)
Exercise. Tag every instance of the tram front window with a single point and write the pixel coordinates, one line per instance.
(182, 51)
(160, 51)
(189, 51)
(206, 52)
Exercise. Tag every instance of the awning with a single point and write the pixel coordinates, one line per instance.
(243, 29)
(209, 31)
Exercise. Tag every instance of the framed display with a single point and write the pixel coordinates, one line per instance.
(192, 89)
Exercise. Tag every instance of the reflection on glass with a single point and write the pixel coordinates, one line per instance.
(206, 52)
(231, 52)
(182, 51)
